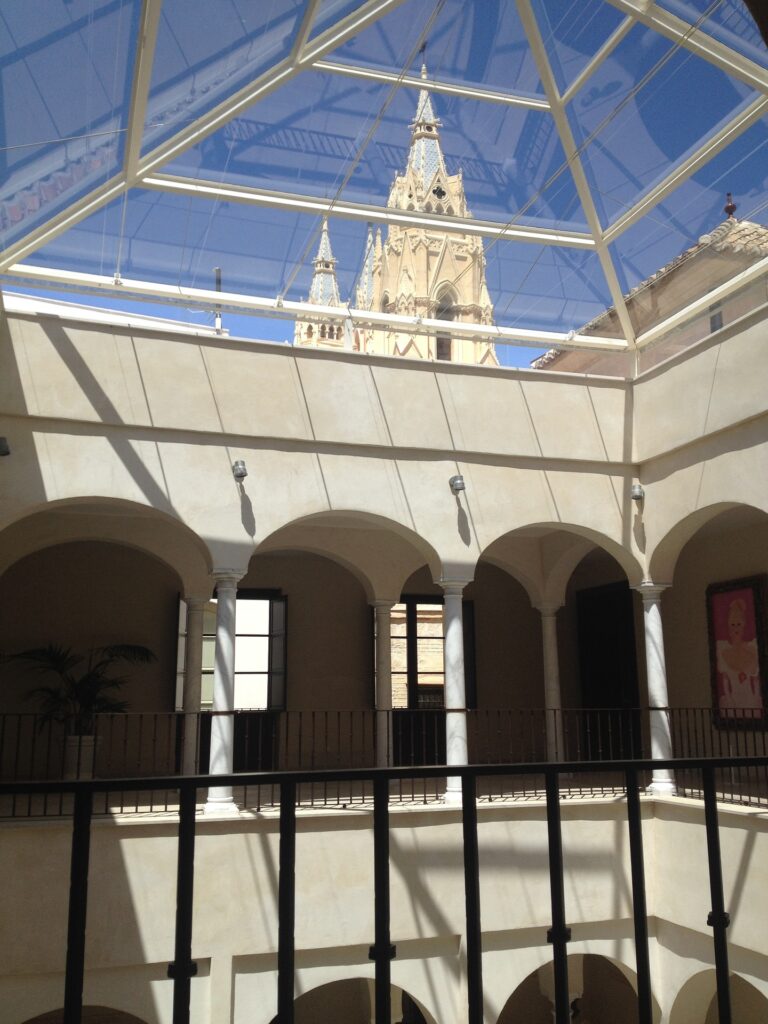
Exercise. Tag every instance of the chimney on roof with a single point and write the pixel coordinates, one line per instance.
(730, 207)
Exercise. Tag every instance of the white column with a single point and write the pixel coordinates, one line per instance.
(553, 702)
(658, 697)
(383, 611)
(193, 678)
(223, 725)
(455, 686)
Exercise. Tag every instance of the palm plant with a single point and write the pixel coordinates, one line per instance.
(85, 684)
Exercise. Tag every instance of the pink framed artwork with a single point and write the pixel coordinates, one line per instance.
(737, 649)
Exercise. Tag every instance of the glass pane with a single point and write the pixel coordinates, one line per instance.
(399, 690)
(65, 84)
(399, 655)
(207, 51)
(277, 691)
(252, 616)
(209, 652)
(573, 33)
(181, 648)
(429, 657)
(398, 620)
(730, 22)
(278, 615)
(277, 648)
(252, 654)
(251, 690)
(209, 619)
(206, 693)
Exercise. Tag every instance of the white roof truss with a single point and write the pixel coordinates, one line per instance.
(285, 309)
(697, 41)
(366, 212)
(572, 155)
(470, 92)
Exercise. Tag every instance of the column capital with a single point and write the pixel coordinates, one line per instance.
(384, 604)
(226, 579)
(548, 610)
(649, 590)
(195, 602)
(453, 588)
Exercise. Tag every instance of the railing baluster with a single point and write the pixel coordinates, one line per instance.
(559, 934)
(640, 913)
(718, 919)
(78, 906)
(381, 952)
(472, 901)
(286, 898)
(183, 968)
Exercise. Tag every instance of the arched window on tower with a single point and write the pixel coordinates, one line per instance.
(446, 302)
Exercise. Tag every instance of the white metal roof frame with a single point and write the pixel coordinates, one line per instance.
(145, 171)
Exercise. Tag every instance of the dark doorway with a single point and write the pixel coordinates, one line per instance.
(608, 671)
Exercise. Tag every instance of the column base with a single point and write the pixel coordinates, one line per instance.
(221, 805)
(453, 791)
(664, 786)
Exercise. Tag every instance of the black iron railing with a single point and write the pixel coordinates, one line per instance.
(175, 743)
(182, 967)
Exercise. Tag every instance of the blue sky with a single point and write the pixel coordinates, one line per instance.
(65, 74)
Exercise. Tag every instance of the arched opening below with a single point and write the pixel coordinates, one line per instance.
(696, 1002)
(90, 1015)
(600, 993)
(352, 1001)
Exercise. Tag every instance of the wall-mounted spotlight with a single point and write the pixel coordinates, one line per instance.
(239, 472)
(457, 485)
(637, 493)
(5, 448)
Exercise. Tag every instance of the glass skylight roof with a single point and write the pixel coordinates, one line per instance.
(158, 140)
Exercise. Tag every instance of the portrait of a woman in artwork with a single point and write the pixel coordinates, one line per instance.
(736, 613)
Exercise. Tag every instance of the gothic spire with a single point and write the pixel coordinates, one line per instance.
(324, 290)
(425, 157)
(364, 297)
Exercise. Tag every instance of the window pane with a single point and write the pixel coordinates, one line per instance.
(429, 655)
(253, 616)
(399, 690)
(206, 691)
(278, 615)
(209, 652)
(209, 618)
(252, 654)
(251, 690)
(399, 655)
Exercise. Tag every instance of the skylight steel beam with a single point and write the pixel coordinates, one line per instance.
(367, 14)
(698, 41)
(467, 92)
(738, 124)
(605, 51)
(142, 79)
(366, 212)
(279, 74)
(304, 29)
(288, 310)
(703, 303)
(572, 155)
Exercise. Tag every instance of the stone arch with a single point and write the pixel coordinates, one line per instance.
(664, 558)
(349, 537)
(352, 1001)
(90, 1015)
(445, 300)
(696, 1002)
(545, 566)
(603, 989)
(113, 520)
